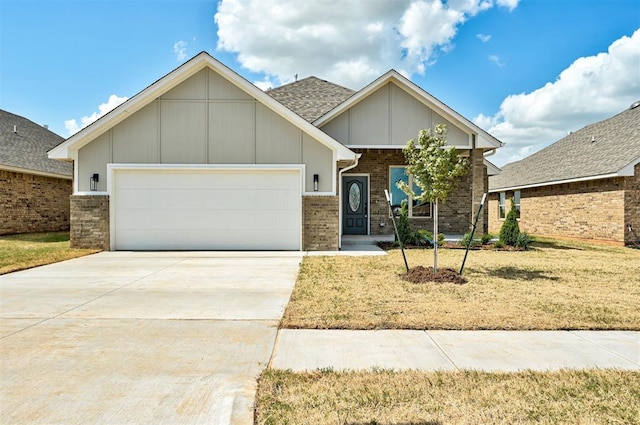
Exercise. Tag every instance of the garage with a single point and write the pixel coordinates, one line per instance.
(206, 208)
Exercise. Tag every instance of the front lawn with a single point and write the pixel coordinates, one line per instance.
(430, 398)
(557, 285)
(18, 252)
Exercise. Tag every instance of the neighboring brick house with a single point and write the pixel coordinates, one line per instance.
(202, 159)
(34, 190)
(586, 185)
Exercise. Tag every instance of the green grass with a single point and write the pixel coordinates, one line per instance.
(466, 397)
(19, 252)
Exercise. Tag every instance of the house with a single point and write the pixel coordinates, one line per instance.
(586, 185)
(34, 190)
(202, 159)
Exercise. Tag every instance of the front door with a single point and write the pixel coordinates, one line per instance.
(355, 205)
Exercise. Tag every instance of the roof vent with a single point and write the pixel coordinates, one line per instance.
(634, 105)
(46, 126)
(15, 129)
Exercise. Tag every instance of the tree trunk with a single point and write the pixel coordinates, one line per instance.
(435, 236)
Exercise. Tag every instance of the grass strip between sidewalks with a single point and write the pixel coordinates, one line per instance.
(466, 397)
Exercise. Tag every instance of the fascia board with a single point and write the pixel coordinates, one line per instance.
(34, 172)
(551, 183)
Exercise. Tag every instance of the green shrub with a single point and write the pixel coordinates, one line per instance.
(510, 229)
(402, 223)
(524, 241)
(407, 235)
(499, 245)
(467, 241)
(440, 239)
(486, 238)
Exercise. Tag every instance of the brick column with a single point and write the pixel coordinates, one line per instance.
(320, 223)
(90, 222)
(479, 185)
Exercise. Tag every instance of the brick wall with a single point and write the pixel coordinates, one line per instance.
(30, 203)
(632, 207)
(90, 221)
(454, 215)
(588, 210)
(320, 223)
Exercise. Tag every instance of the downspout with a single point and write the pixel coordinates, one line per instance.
(350, 167)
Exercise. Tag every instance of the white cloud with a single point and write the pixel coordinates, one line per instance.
(591, 89)
(348, 43)
(496, 59)
(483, 37)
(180, 50)
(72, 125)
(509, 4)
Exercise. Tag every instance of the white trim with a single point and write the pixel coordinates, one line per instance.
(34, 172)
(368, 176)
(112, 168)
(399, 147)
(484, 139)
(182, 73)
(579, 179)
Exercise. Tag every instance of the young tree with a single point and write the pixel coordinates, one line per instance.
(510, 229)
(435, 169)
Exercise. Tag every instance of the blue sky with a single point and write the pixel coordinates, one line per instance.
(528, 71)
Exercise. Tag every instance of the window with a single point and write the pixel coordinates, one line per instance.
(502, 208)
(416, 208)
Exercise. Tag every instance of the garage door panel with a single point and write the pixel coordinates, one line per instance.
(197, 219)
(205, 209)
(182, 179)
(222, 199)
(184, 240)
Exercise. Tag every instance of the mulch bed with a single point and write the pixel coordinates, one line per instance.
(422, 274)
(450, 245)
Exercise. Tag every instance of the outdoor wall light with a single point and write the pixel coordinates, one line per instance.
(93, 182)
(316, 178)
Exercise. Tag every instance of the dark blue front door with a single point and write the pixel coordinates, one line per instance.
(355, 205)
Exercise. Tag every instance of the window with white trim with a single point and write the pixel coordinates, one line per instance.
(416, 208)
(502, 205)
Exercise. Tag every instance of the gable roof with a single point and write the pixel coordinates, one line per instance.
(609, 148)
(173, 79)
(311, 97)
(26, 150)
(483, 141)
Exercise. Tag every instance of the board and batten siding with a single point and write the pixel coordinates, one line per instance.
(390, 117)
(205, 120)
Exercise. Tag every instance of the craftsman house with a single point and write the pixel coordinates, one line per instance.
(34, 190)
(204, 160)
(586, 185)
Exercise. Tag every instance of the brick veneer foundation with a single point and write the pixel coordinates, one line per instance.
(596, 209)
(90, 221)
(31, 203)
(454, 215)
(320, 223)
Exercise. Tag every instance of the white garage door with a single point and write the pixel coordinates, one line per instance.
(206, 209)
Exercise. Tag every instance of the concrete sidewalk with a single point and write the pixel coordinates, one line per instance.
(508, 351)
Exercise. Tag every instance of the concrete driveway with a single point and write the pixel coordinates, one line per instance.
(158, 338)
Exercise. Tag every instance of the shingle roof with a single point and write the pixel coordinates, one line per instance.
(599, 149)
(310, 97)
(27, 148)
